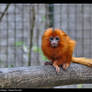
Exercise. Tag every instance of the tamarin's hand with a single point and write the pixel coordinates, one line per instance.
(58, 47)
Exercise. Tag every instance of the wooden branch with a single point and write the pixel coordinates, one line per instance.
(44, 76)
(32, 22)
(5, 10)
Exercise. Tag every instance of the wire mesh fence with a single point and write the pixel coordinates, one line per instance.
(22, 25)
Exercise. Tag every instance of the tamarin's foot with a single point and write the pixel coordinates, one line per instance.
(65, 66)
(57, 69)
(48, 63)
(56, 66)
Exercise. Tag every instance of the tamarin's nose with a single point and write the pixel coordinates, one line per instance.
(54, 43)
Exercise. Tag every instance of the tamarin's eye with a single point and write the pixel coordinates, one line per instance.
(57, 38)
(51, 38)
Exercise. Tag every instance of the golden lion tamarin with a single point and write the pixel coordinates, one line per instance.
(58, 47)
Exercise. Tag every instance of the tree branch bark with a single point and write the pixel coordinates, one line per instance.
(5, 10)
(44, 76)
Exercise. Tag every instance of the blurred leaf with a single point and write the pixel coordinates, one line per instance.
(19, 43)
(0, 61)
(43, 18)
(79, 86)
(44, 58)
(36, 49)
(10, 66)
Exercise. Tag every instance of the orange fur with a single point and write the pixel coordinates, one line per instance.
(62, 55)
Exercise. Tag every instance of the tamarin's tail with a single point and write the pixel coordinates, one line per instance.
(82, 60)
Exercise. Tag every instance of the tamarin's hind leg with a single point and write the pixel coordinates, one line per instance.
(69, 55)
(56, 66)
(67, 63)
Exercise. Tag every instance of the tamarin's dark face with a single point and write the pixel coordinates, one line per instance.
(54, 41)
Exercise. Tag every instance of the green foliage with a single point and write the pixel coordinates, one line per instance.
(43, 18)
(38, 50)
(10, 66)
(19, 43)
(79, 86)
(1, 61)
(34, 48)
